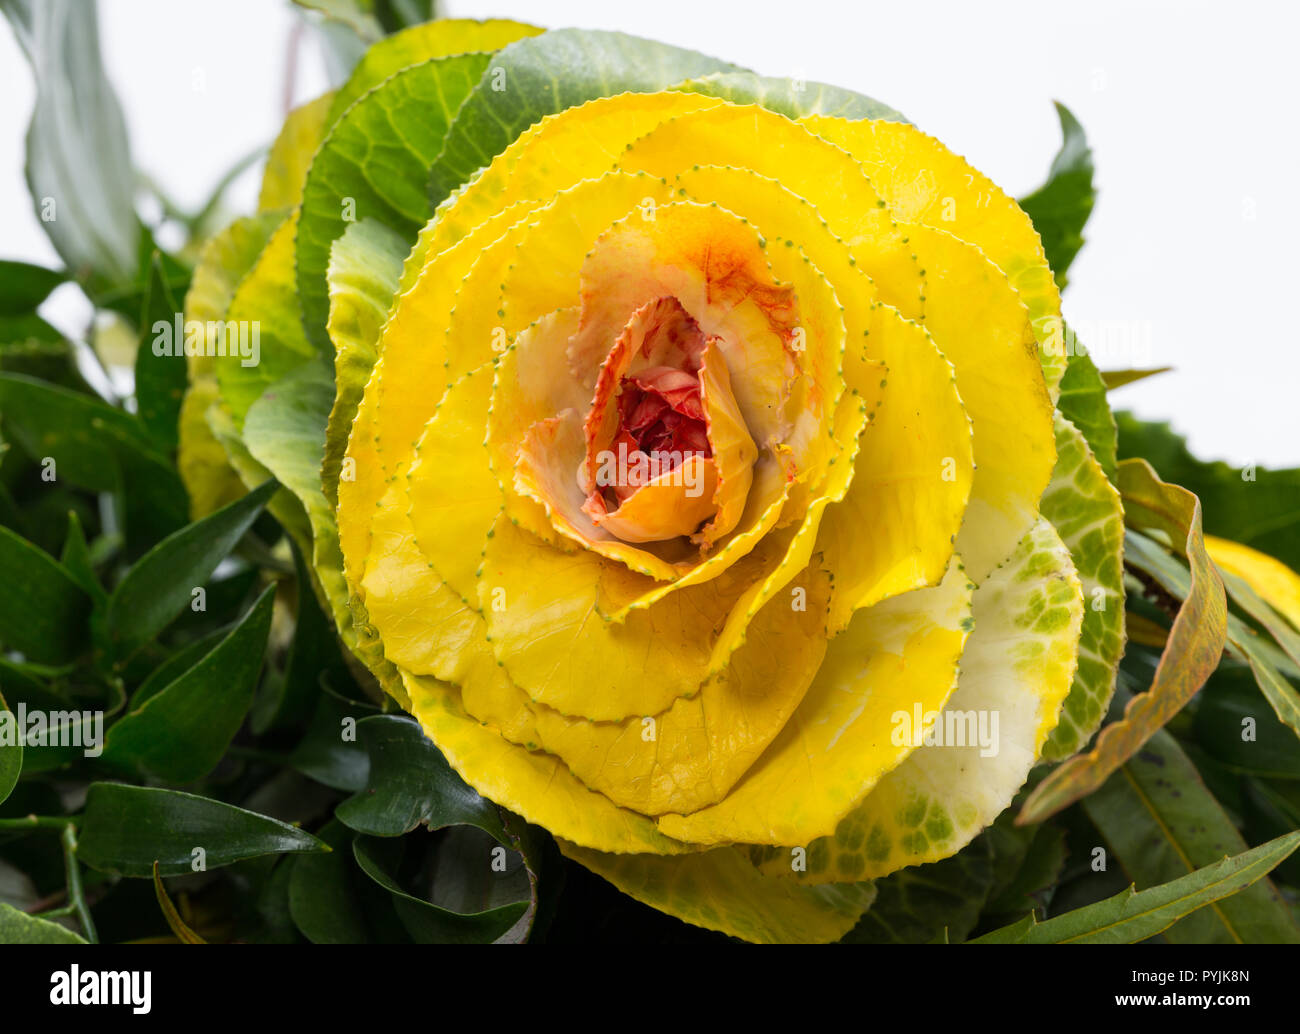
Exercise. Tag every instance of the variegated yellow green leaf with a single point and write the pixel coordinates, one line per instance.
(722, 890)
(973, 755)
(1085, 509)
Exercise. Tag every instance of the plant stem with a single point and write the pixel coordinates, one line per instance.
(35, 822)
(76, 895)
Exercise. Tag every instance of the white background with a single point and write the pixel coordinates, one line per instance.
(1192, 249)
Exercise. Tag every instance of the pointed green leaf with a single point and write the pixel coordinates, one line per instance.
(181, 731)
(159, 378)
(126, 829)
(1162, 823)
(1132, 916)
(42, 608)
(1061, 206)
(411, 784)
(160, 585)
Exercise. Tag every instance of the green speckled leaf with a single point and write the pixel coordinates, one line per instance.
(721, 890)
(1085, 509)
(1016, 670)
(1083, 402)
(420, 43)
(791, 97)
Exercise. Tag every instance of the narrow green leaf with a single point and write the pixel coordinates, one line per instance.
(1132, 916)
(1061, 206)
(77, 561)
(181, 731)
(1118, 378)
(42, 608)
(126, 829)
(411, 784)
(178, 925)
(160, 379)
(1162, 823)
(160, 585)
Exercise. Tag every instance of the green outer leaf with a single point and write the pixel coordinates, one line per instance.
(1256, 507)
(411, 46)
(790, 97)
(364, 270)
(1131, 916)
(1162, 823)
(158, 587)
(1085, 509)
(1061, 206)
(127, 828)
(95, 228)
(24, 286)
(411, 784)
(19, 928)
(1083, 402)
(11, 760)
(42, 608)
(536, 77)
(378, 155)
(426, 922)
(922, 903)
(181, 732)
